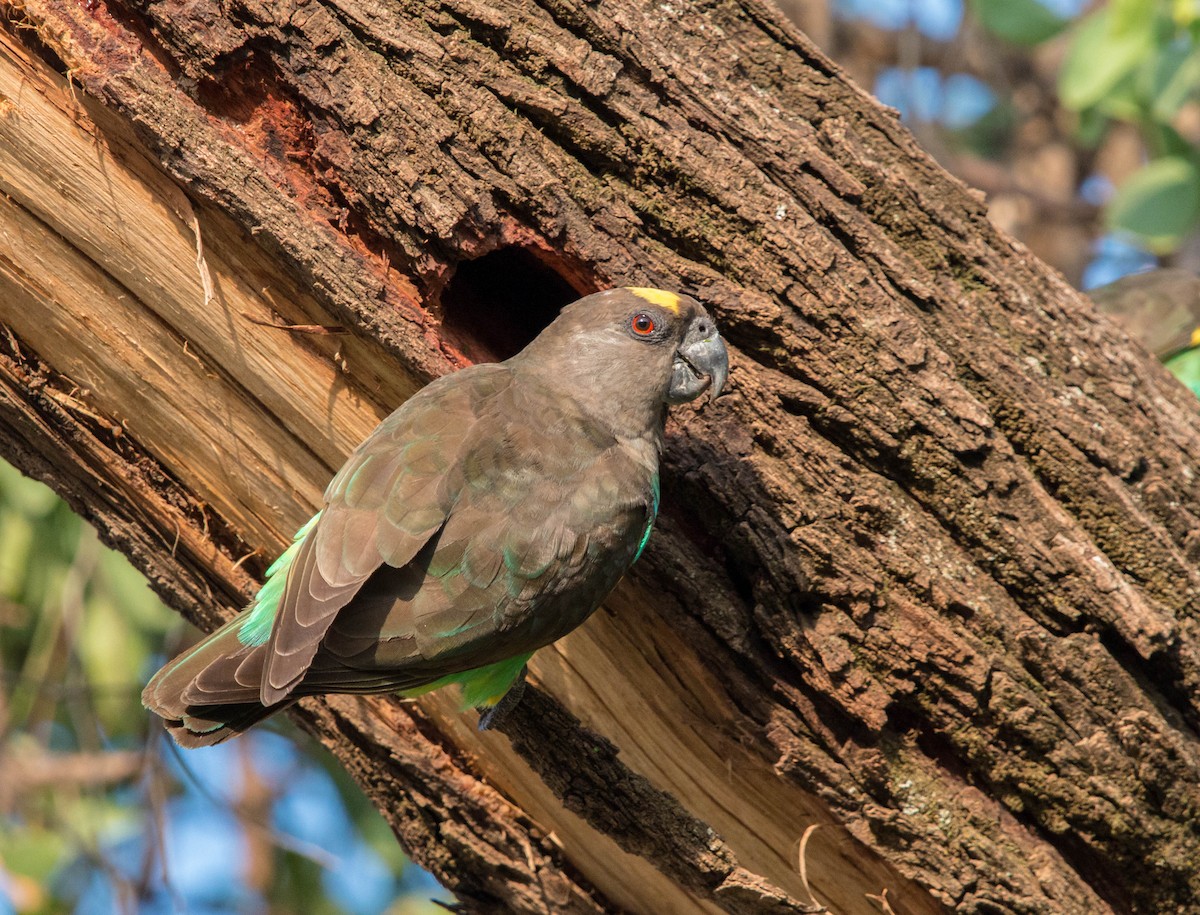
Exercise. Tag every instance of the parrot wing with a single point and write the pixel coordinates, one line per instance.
(529, 549)
(392, 495)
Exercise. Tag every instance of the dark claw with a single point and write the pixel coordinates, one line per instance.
(490, 717)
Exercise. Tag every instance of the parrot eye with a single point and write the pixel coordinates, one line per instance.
(642, 324)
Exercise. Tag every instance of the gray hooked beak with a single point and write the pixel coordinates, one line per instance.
(701, 363)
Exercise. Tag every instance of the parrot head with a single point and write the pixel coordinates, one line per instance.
(635, 349)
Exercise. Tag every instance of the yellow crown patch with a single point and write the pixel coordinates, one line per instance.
(659, 297)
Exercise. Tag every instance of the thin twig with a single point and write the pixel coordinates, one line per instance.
(885, 907)
(803, 863)
(326, 330)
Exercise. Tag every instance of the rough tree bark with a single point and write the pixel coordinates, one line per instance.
(927, 577)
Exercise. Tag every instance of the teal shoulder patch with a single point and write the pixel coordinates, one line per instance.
(654, 495)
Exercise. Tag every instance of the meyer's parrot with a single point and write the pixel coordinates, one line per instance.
(485, 518)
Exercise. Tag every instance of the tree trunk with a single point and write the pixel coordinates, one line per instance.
(926, 577)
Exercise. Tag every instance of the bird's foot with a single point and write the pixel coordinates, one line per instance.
(490, 717)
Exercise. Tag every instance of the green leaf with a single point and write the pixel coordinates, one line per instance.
(1025, 22)
(1092, 128)
(99, 819)
(33, 499)
(1123, 101)
(1104, 50)
(111, 654)
(129, 586)
(1174, 80)
(1160, 202)
(1184, 13)
(16, 550)
(1163, 140)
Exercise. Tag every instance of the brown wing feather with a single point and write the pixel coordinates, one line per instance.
(538, 535)
(383, 506)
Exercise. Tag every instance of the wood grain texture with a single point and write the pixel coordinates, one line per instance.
(926, 577)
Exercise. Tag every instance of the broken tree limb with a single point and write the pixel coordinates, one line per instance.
(927, 577)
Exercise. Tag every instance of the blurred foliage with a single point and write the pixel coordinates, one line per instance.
(1024, 22)
(1136, 62)
(1186, 367)
(102, 813)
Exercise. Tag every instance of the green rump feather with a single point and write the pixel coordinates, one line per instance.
(482, 687)
(256, 628)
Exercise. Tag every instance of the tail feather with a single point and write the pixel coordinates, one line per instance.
(209, 693)
(235, 677)
(205, 725)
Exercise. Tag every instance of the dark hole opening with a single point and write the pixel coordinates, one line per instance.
(495, 304)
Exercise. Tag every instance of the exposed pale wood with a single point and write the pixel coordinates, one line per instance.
(83, 194)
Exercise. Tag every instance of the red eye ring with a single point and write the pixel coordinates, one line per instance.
(642, 325)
